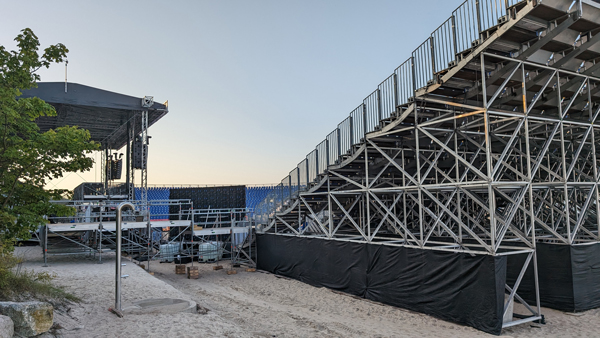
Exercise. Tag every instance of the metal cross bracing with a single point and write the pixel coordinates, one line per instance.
(218, 233)
(197, 234)
(135, 128)
(92, 228)
(144, 164)
(481, 142)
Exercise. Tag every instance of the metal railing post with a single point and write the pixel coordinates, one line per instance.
(432, 51)
(414, 79)
(351, 131)
(327, 152)
(379, 114)
(478, 19)
(299, 182)
(454, 39)
(307, 172)
(316, 162)
(364, 114)
(339, 135)
(395, 80)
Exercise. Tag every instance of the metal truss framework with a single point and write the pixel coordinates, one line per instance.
(141, 119)
(495, 153)
(92, 231)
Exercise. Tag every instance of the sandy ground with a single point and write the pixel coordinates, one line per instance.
(250, 304)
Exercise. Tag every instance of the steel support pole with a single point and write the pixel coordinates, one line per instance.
(364, 116)
(488, 157)
(100, 227)
(149, 230)
(564, 162)
(118, 263)
(530, 191)
(192, 237)
(106, 169)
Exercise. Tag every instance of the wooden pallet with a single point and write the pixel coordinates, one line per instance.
(180, 269)
(192, 272)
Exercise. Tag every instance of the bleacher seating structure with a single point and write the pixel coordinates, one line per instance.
(255, 195)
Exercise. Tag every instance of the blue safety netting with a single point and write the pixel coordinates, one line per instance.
(155, 194)
(254, 195)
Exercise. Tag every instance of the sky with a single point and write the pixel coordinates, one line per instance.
(253, 85)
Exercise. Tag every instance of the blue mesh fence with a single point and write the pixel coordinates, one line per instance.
(154, 194)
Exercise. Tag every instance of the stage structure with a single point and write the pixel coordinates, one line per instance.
(447, 176)
(114, 120)
(119, 121)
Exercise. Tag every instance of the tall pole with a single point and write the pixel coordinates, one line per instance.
(118, 264)
(66, 64)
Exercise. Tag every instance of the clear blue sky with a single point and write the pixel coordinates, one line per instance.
(253, 86)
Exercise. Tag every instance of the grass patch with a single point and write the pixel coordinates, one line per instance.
(19, 284)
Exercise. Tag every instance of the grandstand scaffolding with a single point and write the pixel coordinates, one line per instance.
(483, 143)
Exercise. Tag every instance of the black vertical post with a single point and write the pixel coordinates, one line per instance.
(316, 162)
(478, 19)
(307, 172)
(290, 185)
(351, 131)
(364, 114)
(106, 170)
(454, 40)
(299, 182)
(339, 137)
(414, 71)
(327, 152)
(395, 78)
(432, 50)
(379, 113)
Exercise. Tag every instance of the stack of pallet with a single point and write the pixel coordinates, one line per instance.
(192, 272)
(180, 269)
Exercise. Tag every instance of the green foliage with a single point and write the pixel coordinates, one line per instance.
(28, 158)
(20, 284)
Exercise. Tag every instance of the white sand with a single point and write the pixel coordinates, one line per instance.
(251, 304)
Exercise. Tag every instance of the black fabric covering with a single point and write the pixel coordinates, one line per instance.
(456, 287)
(569, 276)
(228, 197)
(585, 260)
(556, 285)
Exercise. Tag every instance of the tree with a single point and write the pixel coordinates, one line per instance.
(29, 158)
